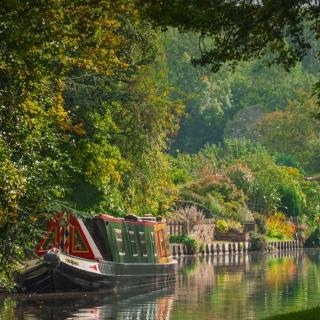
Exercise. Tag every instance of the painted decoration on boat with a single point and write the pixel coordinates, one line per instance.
(68, 233)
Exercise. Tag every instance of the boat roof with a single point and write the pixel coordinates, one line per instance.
(146, 220)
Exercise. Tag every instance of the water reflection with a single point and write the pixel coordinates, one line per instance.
(251, 286)
(154, 306)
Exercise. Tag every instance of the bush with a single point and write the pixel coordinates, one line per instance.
(279, 227)
(288, 160)
(218, 194)
(241, 176)
(235, 225)
(313, 240)
(192, 215)
(260, 221)
(193, 246)
(221, 226)
(258, 242)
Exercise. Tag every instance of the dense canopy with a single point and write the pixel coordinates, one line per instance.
(231, 31)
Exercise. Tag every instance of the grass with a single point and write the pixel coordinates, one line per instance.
(310, 314)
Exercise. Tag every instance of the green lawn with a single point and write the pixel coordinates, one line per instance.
(310, 314)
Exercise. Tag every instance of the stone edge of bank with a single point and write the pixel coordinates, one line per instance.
(178, 249)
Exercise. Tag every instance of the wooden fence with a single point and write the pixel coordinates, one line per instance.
(177, 228)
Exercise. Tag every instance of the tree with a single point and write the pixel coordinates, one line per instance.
(214, 100)
(244, 121)
(85, 116)
(293, 131)
(241, 30)
(206, 96)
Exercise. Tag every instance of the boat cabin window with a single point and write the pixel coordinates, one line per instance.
(143, 245)
(133, 243)
(50, 240)
(78, 242)
(119, 238)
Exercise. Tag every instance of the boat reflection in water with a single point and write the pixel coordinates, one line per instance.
(152, 305)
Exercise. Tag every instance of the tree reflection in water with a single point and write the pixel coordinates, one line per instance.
(251, 286)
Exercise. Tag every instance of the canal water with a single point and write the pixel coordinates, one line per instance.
(250, 286)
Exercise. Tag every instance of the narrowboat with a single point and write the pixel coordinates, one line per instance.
(100, 253)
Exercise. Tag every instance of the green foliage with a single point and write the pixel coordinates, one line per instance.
(86, 114)
(218, 194)
(288, 160)
(274, 186)
(237, 31)
(312, 210)
(293, 131)
(223, 225)
(193, 246)
(258, 242)
(309, 314)
(260, 221)
(241, 176)
(227, 104)
(245, 180)
(234, 149)
(263, 196)
(313, 240)
(279, 227)
(244, 121)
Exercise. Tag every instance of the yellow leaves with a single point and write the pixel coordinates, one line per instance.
(12, 186)
(293, 172)
(58, 114)
(78, 130)
(3, 66)
(104, 172)
(32, 107)
(278, 225)
(110, 23)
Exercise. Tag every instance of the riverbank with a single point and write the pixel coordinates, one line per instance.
(310, 314)
(178, 249)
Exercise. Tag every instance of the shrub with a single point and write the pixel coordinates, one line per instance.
(258, 242)
(213, 184)
(226, 225)
(279, 227)
(193, 246)
(241, 176)
(288, 160)
(218, 194)
(221, 226)
(192, 215)
(214, 204)
(260, 221)
(313, 240)
(234, 225)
